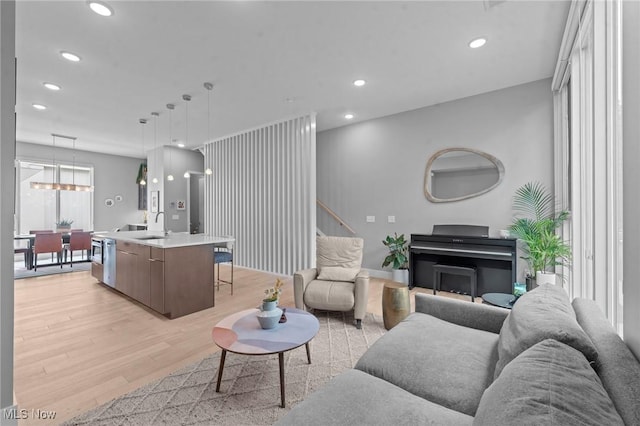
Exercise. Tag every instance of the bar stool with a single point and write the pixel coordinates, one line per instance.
(223, 254)
(467, 271)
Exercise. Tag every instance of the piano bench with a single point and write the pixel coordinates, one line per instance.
(467, 271)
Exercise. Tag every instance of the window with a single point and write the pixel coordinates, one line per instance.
(587, 87)
(43, 208)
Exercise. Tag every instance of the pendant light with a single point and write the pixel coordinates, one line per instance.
(155, 116)
(143, 121)
(186, 98)
(58, 186)
(170, 107)
(208, 86)
(52, 184)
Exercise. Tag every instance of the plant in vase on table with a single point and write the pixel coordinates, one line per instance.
(535, 225)
(270, 314)
(63, 225)
(397, 257)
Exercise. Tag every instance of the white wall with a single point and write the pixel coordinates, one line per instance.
(7, 187)
(631, 176)
(162, 161)
(112, 175)
(377, 167)
(262, 191)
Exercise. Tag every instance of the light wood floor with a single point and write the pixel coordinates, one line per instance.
(79, 344)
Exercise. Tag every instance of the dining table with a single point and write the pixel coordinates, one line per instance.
(31, 239)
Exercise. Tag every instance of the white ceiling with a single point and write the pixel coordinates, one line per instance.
(260, 54)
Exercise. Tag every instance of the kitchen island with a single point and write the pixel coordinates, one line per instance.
(171, 274)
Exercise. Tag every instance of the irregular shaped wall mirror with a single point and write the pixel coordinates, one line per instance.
(455, 174)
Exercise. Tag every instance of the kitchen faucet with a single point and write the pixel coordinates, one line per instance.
(164, 220)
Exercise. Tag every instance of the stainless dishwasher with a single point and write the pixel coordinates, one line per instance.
(109, 262)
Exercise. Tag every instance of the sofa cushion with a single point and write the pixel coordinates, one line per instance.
(616, 366)
(547, 384)
(543, 313)
(356, 398)
(338, 273)
(339, 251)
(330, 295)
(442, 362)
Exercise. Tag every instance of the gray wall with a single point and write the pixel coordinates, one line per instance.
(376, 168)
(631, 176)
(175, 161)
(7, 187)
(179, 162)
(112, 175)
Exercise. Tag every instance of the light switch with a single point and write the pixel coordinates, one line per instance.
(371, 219)
(391, 219)
(175, 217)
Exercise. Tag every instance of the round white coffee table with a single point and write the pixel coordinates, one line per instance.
(241, 333)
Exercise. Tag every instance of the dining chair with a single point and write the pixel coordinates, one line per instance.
(22, 246)
(77, 241)
(42, 231)
(223, 254)
(48, 242)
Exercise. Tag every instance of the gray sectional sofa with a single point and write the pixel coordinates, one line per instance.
(548, 361)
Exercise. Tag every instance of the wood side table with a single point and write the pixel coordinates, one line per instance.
(395, 304)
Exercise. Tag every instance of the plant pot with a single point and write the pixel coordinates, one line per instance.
(269, 318)
(269, 305)
(400, 275)
(545, 278)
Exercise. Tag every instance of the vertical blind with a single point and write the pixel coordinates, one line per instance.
(263, 191)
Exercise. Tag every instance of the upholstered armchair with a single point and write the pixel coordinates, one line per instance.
(336, 283)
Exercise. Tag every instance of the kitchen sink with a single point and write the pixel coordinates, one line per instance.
(150, 237)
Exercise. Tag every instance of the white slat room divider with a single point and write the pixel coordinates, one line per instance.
(263, 192)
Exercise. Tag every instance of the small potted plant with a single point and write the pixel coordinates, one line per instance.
(272, 295)
(397, 257)
(270, 314)
(64, 225)
(535, 225)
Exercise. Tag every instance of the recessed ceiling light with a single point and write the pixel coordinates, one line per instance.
(359, 83)
(100, 8)
(180, 145)
(348, 116)
(51, 86)
(39, 106)
(70, 56)
(478, 42)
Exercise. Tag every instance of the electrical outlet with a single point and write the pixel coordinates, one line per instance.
(371, 219)
(175, 217)
(391, 219)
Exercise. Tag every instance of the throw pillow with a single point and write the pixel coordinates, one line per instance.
(336, 273)
(544, 313)
(548, 384)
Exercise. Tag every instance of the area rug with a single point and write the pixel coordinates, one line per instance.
(22, 272)
(250, 389)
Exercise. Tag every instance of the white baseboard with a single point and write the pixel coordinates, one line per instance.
(377, 273)
(10, 416)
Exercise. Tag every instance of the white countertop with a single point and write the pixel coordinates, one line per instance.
(174, 239)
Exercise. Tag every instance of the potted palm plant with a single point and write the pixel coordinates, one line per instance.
(535, 224)
(64, 225)
(397, 257)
